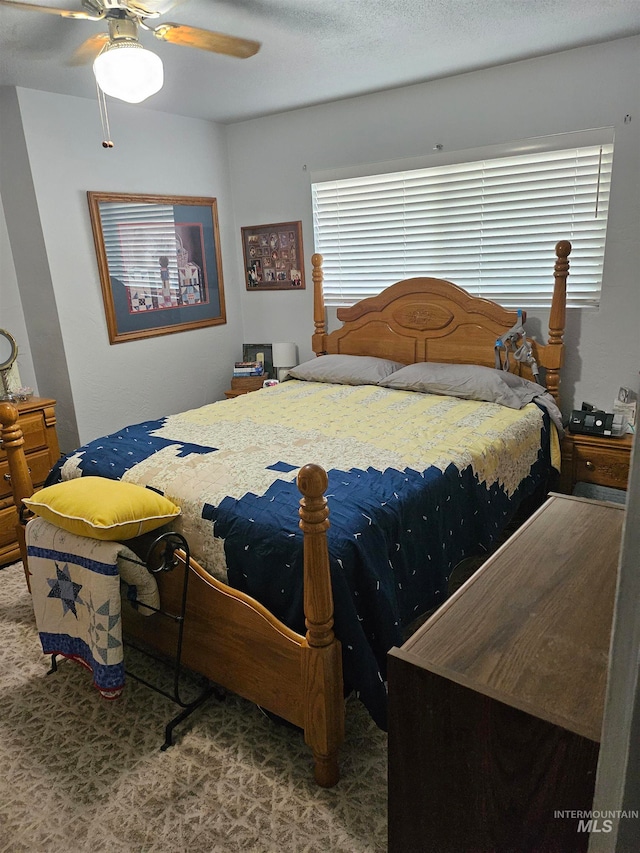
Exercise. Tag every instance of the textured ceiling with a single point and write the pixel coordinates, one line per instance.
(313, 51)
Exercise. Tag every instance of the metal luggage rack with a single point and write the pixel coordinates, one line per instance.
(166, 546)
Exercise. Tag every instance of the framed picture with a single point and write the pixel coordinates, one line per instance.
(260, 352)
(273, 257)
(159, 263)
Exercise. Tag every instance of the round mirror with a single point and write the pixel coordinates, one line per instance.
(8, 350)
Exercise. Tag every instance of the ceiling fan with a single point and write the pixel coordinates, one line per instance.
(123, 68)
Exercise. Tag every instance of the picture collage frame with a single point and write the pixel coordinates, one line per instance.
(273, 256)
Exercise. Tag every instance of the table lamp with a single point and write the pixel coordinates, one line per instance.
(284, 357)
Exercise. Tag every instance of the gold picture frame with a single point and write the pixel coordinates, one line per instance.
(159, 263)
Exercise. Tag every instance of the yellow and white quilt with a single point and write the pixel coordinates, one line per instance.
(416, 483)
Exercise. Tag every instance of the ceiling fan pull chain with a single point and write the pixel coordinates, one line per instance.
(104, 118)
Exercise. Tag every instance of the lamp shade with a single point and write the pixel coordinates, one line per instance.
(284, 355)
(128, 71)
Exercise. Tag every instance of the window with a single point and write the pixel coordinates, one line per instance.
(489, 225)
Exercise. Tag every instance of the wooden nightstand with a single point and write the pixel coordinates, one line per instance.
(244, 384)
(592, 459)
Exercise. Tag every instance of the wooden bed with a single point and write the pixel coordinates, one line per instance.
(231, 638)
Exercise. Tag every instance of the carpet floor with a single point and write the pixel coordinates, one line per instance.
(79, 774)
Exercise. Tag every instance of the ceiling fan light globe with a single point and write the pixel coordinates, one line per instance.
(128, 72)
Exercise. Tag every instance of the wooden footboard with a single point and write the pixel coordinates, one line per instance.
(233, 640)
(237, 643)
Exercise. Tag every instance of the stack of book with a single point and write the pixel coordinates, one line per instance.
(248, 368)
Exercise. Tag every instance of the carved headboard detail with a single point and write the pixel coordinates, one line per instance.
(430, 319)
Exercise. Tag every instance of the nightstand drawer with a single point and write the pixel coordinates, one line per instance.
(244, 385)
(595, 460)
(601, 466)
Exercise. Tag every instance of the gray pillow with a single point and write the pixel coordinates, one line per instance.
(345, 369)
(467, 381)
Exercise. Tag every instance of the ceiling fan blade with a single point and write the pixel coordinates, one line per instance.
(206, 40)
(52, 10)
(89, 49)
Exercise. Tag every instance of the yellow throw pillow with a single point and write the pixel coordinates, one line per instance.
(101, 508)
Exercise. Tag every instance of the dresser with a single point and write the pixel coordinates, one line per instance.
(496, 702)
(37, 421)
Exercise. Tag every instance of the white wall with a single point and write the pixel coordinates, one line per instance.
(574, 90)
(154, 153)
(11, 313)
(29, 256)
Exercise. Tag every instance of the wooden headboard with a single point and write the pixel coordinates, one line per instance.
(430, 319)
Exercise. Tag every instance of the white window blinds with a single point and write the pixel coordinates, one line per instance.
(490, 225)
(136, 237)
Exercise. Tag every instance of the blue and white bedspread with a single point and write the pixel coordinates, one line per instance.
(75, 586)
(417, 482)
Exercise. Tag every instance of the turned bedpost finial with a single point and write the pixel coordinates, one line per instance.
(557, 316)
(8, 415)
(313, 482)
(559, 302)
(563, 249)
(314, 522)
(318, 304)
(322, 659)
(19, 473)
(13, 443)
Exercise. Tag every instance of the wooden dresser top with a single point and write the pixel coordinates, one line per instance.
(532, 627)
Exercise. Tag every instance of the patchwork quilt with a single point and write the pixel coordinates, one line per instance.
(417, 482)
(75, 587)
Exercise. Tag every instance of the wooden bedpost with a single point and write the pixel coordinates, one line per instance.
(322, 659)
(317, 340)
(554, 351)
(19, 474)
